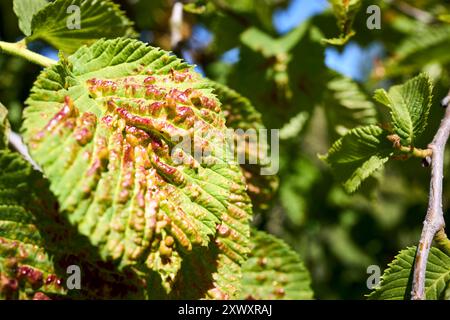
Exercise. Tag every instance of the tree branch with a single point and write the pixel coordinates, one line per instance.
(434, 219)
(413, 12)
(176, 24)
(19, 49)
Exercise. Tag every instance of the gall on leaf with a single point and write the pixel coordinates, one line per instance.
(105, 125)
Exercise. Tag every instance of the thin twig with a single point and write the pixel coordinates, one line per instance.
(434, 220)
(15, 140)
(176, 24)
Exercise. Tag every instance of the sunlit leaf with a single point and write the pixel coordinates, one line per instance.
(109, 127)
(409, 104)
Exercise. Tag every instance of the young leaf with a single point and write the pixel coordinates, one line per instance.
(252, 144)
(68, 24)
(25, 10)
(27, 269)
(358, 154)
(4, 127)
(274, 271)
(109, 127)
(345, 12)
(397, 278)
(409, 104)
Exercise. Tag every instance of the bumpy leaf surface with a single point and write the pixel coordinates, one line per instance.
(109, 127)
(358, 154)
(396, 280)
(68, 24)
(274, 271)
(27, 270)
(409, 104)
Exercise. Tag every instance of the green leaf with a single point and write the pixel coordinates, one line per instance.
(27, 269)
(345, 12)
(252, 139)
(397, 278)
(97, 19)
(4, 127)
(347, 106)
(274, 271)
(358, 154)
(260, 41)
(109, 127)
(25, 10)
(409, 104)
(37, 244)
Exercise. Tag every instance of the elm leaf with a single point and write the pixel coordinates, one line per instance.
(27, 266)
(109, 127)
(409, 104)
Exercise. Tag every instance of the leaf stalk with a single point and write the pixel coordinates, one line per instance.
(18, 49)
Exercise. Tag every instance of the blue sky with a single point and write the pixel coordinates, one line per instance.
(353, 61)
(297, 12)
